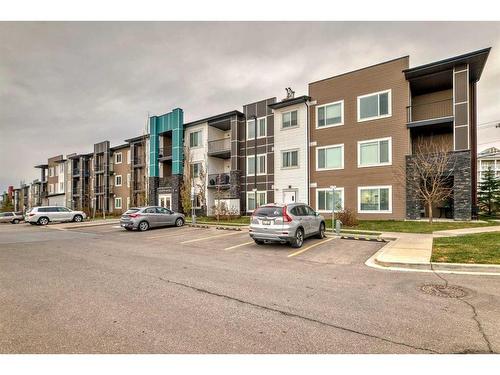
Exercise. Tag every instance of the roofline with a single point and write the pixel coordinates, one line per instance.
(138, 138)
(42, 166)
(288, 102)
(258, 101)
(216, 117)
(119, 146)
(450, 60)
(360, 69)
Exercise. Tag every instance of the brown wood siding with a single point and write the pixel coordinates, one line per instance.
(348, 87)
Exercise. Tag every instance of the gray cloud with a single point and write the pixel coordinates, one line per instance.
(67, 85)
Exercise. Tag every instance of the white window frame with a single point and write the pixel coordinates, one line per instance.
(329, 190)
(118, 199)
(200, 139)
(291, 126)
(341, 102)
(191, 168)
(329, 146)
(265, 164)
(128, 156)
(371, 141)
(257, 192)
(252, 123)
(298, 158)
(61, 187)
(129, 177)
(61, 169)
(121, 180)
(116, 158)
(389, 100)
(51, 172)
(389, 211)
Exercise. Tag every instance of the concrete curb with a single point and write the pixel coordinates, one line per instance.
(91, 224)
(362, 237)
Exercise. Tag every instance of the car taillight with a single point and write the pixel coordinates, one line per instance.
(286, 218)
(134, 215)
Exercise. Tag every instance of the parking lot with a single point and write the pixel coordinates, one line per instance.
(102, 289)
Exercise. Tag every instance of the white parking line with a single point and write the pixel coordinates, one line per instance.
(240, 245)
(210, 237)
(175, 234)
(310, 247)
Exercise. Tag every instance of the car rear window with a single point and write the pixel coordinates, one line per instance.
(131, 211)
(269, 211)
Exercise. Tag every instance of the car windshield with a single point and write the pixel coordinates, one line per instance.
(132, 211)
(269, 211)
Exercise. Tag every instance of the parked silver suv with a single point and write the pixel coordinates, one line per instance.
(143, 218)
(286, 224)
(47, 214)
(11, 217)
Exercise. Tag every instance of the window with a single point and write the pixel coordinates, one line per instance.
(128, 203)
(261, 165)
(374, 199)
(61, 187)
(197, 201)
(375, 152)
(63, 209)
(330, 157)
(195, 139)
(118, 203)
(51, 188)
(261, 199)
(195, 170)
(128, 156)
(290, 159)
(61, 169)
(373, 106)
(118, 180)
(326, 200)
(51, 171)
(118, 158)
(289, 119)
(261, 128)
(331, 114)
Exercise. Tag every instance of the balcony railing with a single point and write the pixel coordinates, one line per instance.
(76, 172)
(99, 189)
(138, 161)
(138, 186)
(221, 180)
(165, 152)
(430, 111)
(219, 146)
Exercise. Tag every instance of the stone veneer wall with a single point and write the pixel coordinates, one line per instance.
(462, 187)
(166, 185)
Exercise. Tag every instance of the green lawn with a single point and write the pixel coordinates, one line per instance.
(472, 248)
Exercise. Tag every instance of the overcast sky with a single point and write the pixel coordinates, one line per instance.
(66, 86)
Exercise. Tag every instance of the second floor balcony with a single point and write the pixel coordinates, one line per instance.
(220, 148)
(430, 112)
(219, 181)
(165, 153)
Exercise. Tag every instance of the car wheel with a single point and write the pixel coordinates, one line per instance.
(143, 226)
(43, 221)
(298, 240)
(321, 233)
(15, 221)
(78, 219)
(259, 242)
(179, 222)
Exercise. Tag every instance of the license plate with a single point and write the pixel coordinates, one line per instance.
(266, 222)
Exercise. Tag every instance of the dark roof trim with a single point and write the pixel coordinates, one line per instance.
(216, 117)
(360, 69)
(289, 102)
(138, 138)
(479, 57)
(42, 166)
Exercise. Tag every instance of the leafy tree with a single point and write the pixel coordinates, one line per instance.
(186, 183)
(489, 192)
(7, 204)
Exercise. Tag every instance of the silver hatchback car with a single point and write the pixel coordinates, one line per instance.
(286, 224)
(143, 218)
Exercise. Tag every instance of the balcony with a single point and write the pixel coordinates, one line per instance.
(99, 167)
(138, 186)
(219, 181)
(431, 113)
(99, 189)
(76, 172)
(220, 148)
(138, 162)
(165, 154)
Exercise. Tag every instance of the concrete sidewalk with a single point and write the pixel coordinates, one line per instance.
(413, 251)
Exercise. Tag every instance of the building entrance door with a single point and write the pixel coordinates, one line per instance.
(289, 196)
(166, 200)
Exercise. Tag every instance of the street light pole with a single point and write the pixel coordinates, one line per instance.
(333, 187)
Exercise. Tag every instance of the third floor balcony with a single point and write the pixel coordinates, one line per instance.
(220, 148)
(165, 153)
(430, 112)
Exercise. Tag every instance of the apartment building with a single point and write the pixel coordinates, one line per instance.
(139, 170)
(41, 193)
(365, 127)
(257, 147)
(291, 149)
(213, 148)
(56, 182)
(121, 184)
(78, 177)
(165, 151)
(488, 159)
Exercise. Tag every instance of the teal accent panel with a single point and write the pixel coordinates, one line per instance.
(172, 121)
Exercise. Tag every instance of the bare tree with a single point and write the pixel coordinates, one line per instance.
(431, 172)
(201, 185)
(186, 182)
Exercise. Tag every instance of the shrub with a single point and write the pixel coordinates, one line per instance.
(347, 217)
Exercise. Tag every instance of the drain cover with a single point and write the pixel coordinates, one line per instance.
(439, 290)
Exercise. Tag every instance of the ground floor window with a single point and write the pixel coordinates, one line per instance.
(118, 203)
(375, 199)
(251, 201)
(326, 199)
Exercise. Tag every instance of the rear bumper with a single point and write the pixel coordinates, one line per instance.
(128, 224)
(274, 237)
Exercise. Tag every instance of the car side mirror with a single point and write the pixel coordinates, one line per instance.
(316, 213)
